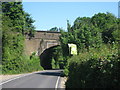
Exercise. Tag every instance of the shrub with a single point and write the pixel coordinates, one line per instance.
(94, 69)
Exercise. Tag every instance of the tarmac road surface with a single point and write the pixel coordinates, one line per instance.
(42, 79)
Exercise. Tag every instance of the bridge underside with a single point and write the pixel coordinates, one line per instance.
(46, 58)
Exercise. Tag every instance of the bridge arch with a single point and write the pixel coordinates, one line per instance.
(46, 57)
(46, 44)
(42, 44)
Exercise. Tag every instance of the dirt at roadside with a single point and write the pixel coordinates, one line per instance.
(63, 80)
(6, 77)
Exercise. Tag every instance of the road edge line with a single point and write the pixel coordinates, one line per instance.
(56, 86)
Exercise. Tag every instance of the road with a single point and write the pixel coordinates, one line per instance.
(44, 79)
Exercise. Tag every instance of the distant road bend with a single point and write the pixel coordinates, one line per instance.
(42, 79)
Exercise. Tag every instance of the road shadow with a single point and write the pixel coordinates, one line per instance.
(51, 73)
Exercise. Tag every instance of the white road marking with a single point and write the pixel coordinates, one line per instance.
(56, 86)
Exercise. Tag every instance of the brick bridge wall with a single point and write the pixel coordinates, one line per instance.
(41, 41)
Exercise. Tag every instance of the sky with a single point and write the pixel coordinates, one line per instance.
(55, 14)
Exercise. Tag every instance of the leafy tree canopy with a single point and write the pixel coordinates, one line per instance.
(55, 29)
(21, 21)
(89, 32)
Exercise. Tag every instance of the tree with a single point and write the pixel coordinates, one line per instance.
(12, 47)
(55, 29)
(15, 24)
(83, 33)
(107, 24)
(29, 27)
(15, 12)
(21, 21)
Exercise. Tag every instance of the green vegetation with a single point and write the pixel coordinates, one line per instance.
(52, 58)
(15, 24)
(55, 29)
(57, 58)
(98, 68)
(97, 64)
(20, 20)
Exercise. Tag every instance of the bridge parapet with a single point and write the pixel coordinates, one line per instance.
(46, 35)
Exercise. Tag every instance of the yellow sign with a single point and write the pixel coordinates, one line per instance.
(73, 49)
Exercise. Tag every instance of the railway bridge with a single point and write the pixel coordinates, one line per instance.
(41, 41)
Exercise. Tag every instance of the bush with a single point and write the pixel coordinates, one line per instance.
(34, 63)
(94, 69)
